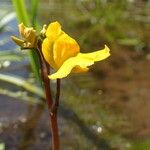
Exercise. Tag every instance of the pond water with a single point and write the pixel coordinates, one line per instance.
(107, 108)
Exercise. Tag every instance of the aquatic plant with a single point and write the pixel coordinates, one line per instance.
(57, 50)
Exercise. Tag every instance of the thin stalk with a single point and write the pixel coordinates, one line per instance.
(54, 131)
(56, 103)
(53, 116)
(50, 102)
(57, 93)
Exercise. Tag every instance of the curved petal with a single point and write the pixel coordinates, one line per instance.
(47, 50)
(81, 60)
(64, 48)
(53, 30)
(97, 55)
(68, 65)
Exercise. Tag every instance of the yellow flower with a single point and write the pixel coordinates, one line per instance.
(63, 53)
(28, 35)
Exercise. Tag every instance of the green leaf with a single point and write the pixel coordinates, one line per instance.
(34, 7)
(21, 11)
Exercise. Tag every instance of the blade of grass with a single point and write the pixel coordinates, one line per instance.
(21, 12)
(34, 7)
(20, 96)
(22, 83)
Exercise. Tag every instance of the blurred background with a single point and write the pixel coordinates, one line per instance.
(105, 109)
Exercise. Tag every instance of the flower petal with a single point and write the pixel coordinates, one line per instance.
(47, 50)
(97, 55)
(64, 48)
(78, 69)
(53, 30)
(81, 60)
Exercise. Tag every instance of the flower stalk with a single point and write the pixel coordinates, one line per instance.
(52, 105)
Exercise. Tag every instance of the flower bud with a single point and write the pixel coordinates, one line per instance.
(28, 37)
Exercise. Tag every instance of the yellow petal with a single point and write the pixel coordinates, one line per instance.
(60, 45)
(47, 50)
(78, 69)
(64, 48)
(81, 60)
(53, 30)
(97, 55)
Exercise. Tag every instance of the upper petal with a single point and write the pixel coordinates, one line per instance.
(53, 30)
(64, 48)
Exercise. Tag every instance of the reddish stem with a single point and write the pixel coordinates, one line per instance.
(54, 131)
(52, 114)
(54, 118)
(57, 93)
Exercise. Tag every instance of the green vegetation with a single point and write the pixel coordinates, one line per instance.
(27, 18)
(121, 23)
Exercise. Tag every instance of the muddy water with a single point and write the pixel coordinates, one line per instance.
(115, 98)
(106, 99)
(127, 90)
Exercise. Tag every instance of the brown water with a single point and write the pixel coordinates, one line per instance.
(112, 97)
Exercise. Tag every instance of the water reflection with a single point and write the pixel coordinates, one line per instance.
(34, 115)
(71, 116)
